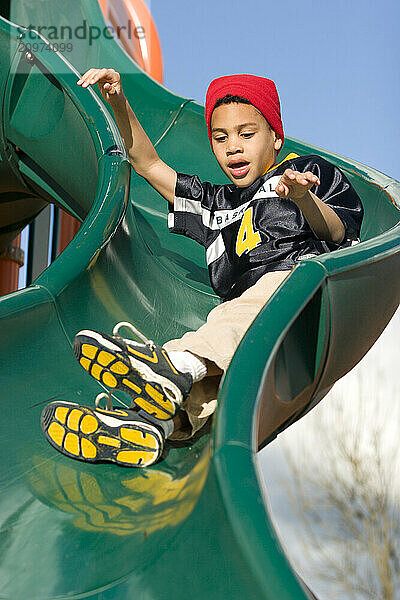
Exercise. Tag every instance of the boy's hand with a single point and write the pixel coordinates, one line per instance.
(109, 82)
(295, 185)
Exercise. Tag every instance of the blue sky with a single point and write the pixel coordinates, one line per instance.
(335, 65)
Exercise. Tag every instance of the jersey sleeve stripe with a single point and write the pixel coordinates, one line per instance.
(215, 250)
(187, 205)
(194, 207)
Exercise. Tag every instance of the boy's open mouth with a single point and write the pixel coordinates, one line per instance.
(239, 168)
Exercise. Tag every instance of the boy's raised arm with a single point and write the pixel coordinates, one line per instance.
(141, 152)
(322, 219)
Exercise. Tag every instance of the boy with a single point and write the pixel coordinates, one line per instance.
(254, 232)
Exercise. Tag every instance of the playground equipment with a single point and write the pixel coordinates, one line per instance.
(137, 33)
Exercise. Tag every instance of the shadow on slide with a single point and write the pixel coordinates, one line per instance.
(195, 524)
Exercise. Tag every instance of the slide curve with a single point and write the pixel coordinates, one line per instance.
(196, 524)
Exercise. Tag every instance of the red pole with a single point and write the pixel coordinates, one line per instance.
(68, 227)
(10, 262)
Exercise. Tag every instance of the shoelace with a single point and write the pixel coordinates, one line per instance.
(109, 404)
(115, 332)
(134, 331)
(99, 398)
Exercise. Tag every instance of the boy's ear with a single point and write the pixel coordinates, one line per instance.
(277, 143)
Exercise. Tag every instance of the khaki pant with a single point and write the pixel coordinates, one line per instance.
(217, 341)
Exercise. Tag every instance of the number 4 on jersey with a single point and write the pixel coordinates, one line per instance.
(247, 238)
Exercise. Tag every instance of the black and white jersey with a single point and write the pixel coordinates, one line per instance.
(249, 231)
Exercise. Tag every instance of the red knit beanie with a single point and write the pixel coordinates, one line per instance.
(260, 91)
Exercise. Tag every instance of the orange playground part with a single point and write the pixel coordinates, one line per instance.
(137, 33)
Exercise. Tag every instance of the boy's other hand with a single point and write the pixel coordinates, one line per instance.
(109, 82)
(295, 185)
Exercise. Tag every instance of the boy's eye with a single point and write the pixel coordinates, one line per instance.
(245, 134)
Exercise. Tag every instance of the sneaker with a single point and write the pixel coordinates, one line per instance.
(120, 436)
(144, 371)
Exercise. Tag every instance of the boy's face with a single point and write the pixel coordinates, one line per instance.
(244, 144)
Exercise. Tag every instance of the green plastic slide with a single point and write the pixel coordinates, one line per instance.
(195, 525)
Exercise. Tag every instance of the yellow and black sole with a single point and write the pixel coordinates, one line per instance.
(96, 435)
(112, 368)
